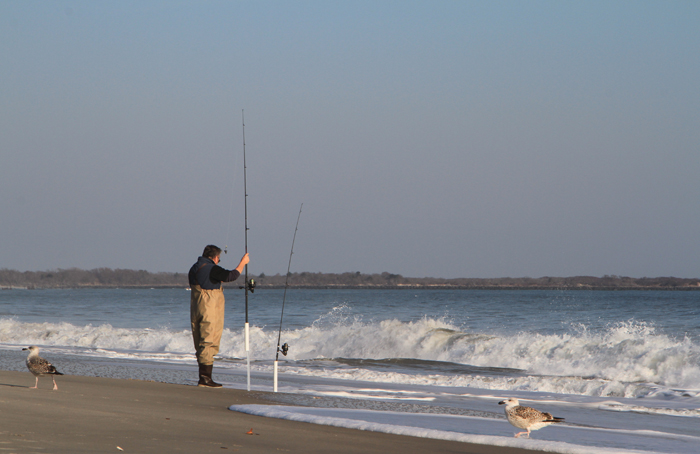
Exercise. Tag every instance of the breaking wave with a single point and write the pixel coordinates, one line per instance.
(627, 359)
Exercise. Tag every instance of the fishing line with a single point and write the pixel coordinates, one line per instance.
(230, 215)
(228, 225)
(285, 348)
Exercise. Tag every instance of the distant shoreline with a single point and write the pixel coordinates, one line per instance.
(119, 278)
(364, 287)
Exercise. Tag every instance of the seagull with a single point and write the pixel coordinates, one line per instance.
(40, 367)
(526, 417)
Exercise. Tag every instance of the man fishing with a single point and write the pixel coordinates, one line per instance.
(207, 308)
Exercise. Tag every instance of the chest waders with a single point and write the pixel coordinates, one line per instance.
(207, 309)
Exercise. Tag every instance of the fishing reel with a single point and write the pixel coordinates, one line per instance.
(250, 285)
(284, 349)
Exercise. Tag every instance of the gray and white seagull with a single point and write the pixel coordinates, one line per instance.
(526, 417)
(39, 367)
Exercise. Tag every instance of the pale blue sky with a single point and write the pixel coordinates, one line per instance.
(449, 139)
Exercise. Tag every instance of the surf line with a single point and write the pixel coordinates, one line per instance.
(285, 347)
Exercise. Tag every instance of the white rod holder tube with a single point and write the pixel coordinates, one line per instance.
(274, 378)
(247, 350)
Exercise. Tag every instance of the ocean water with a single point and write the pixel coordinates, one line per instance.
(622, 367)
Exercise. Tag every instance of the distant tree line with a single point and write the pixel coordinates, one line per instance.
(106, 277)
(388, 280)
(99, 277)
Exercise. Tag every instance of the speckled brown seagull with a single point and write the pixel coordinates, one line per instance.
(526, 417)
(40, 367)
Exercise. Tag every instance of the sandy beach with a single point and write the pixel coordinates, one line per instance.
(95, 415)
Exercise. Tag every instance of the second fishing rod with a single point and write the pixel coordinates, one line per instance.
(285, 347)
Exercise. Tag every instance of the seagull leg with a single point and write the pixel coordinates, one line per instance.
(36, 384)
(54, 383)
(521, 433)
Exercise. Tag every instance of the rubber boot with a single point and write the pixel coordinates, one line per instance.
(205, 377)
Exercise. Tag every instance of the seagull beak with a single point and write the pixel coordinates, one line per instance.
(502, 402)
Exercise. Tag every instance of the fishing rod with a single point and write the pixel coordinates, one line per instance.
(248, 285)
(285, 348)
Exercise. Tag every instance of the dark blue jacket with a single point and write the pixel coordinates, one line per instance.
(208, 275)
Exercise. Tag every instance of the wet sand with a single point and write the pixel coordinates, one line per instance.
(103, 415)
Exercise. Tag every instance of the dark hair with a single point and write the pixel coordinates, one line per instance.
(211, 251)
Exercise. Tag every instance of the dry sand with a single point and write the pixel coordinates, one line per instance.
(103, 415)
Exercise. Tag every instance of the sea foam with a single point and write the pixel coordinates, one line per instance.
(627, 359)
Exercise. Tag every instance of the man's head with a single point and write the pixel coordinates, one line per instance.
(211, 252)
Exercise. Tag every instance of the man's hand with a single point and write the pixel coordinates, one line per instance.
(243, 263)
